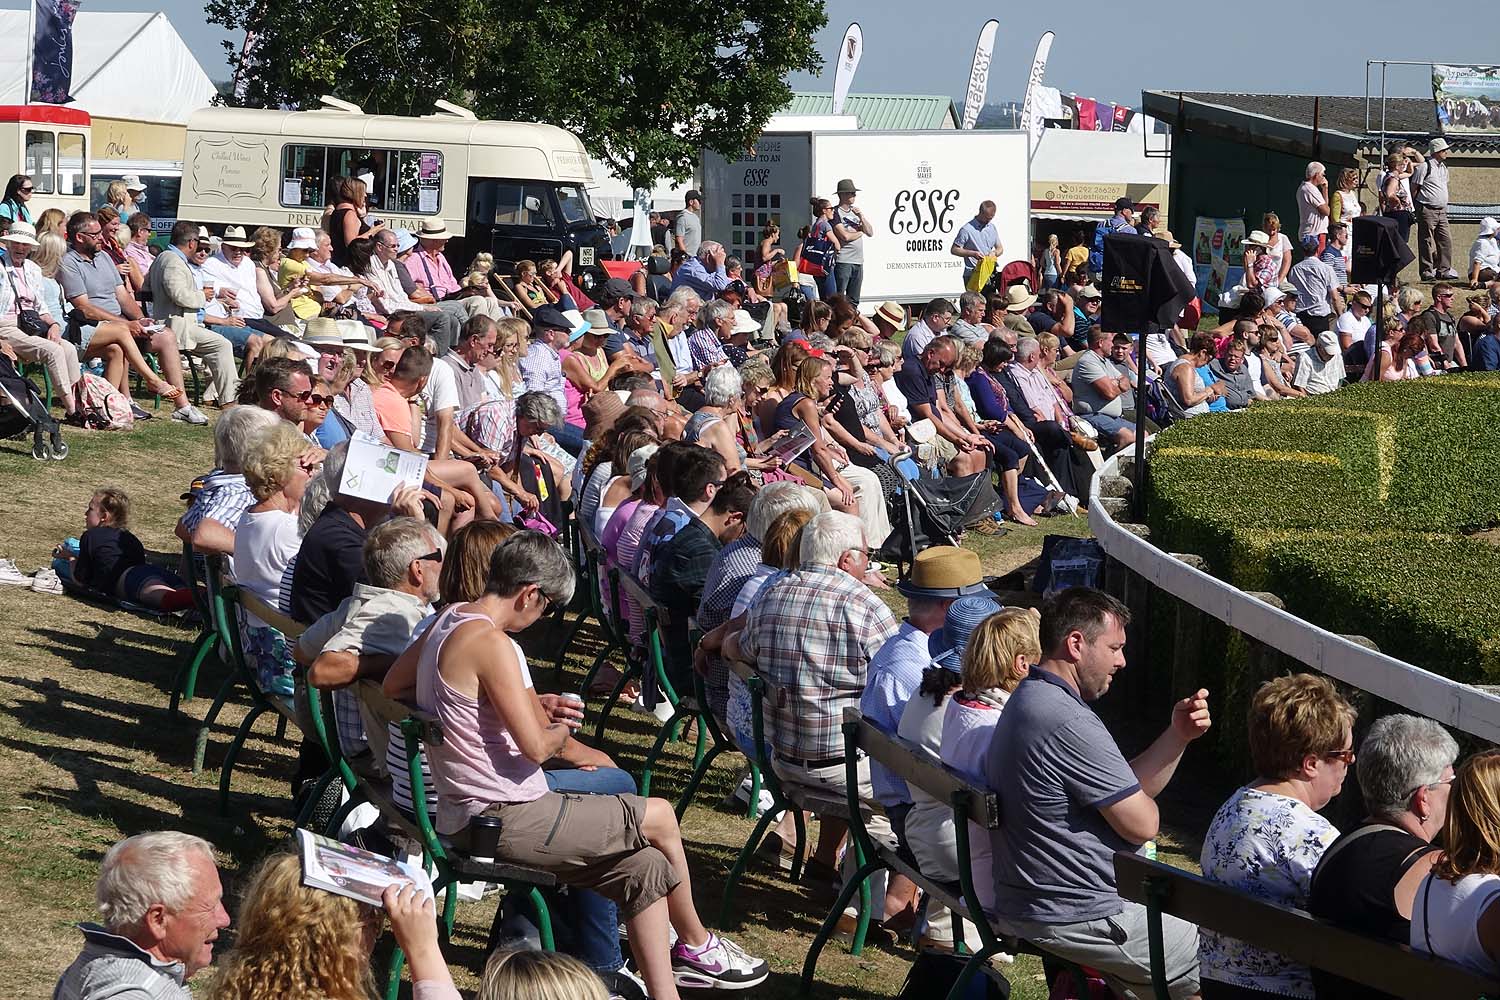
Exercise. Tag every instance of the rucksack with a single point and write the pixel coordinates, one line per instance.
(101, 405)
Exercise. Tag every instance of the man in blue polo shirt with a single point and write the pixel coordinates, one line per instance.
(1069, 800)
(977, 239)
(1122, 222)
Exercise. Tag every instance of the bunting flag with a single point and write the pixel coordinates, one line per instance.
(1031, 121)
(1122, 118)
(979, 73)
(1069, 109)
(1087, 112)
(850, 49)
(52, 51)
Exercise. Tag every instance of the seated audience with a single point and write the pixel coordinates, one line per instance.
(223, 497)
(1267, 839)
(1366, 881)
(812, 633)
(1484, 255)
(467, 670)
(161, 909)
(1453, 915)
(1069, 800)
(1192, 381)
(1104, 392)
(917, 380)
(1229, 369)
(1005, 431)
(1321, 369)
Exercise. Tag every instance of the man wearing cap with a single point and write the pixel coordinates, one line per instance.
(1123, 221)
(1321, 369)
(1484, 255)
(615, 297)
(541, 366)
(431, 273)
(851, 226)
(890, 319)
(977, 239)
(442, 325)
(1018, 304)
(1429, 190)
(965, 326)
(939, 576)
(233, 269)
(1103, 393)
(687, 229)
(1085, 316)
(704, 272)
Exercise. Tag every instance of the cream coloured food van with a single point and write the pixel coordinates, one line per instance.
(514, 189)
(49, 144)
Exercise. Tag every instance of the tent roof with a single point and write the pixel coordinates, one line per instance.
(881, 111)
(110, 51)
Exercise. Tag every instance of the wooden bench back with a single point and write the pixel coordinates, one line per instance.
(643, 599)
(920, 769)
(1301, 937)
(271, 616)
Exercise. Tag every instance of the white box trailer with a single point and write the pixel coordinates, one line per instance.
(916, 188)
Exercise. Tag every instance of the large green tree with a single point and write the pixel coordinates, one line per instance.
(645, 84)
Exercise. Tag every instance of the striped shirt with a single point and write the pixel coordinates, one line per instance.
(541, 368)
(705, 349)
(812, 634)
(112, 967)
(224, 498)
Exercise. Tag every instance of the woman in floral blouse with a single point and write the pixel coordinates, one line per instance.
(1267, 839)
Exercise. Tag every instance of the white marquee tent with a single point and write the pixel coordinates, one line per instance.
(111, 54)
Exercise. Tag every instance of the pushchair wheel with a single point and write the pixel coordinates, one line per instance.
(41, 450)
(59, 448)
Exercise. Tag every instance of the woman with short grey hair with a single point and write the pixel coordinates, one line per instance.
(722, 423)
(1368, 878)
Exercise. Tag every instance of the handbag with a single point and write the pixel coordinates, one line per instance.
(29, 321)
(783, 275)
(100, 405)
(817, 254)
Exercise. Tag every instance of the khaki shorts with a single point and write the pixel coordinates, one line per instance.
(589, 841)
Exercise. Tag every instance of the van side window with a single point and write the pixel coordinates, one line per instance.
(41, 160)
(514, 203)
(70, 163)
(408, 181)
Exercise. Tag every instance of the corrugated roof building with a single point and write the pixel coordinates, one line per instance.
(881, 111)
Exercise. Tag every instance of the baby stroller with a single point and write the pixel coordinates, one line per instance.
(22, 410)
(936, 512)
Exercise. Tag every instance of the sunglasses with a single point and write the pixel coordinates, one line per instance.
(434, 556)
(27, 189)
(386, 366)
(317, 399)
(1347, 756)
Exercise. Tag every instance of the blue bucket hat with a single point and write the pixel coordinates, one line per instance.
(947, 644)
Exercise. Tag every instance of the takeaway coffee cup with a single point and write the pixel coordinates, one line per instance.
(484, 838)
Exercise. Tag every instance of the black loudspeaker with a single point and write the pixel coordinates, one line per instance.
(1141, 284)
(1379, 251)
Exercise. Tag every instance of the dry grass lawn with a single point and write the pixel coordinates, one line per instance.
(88, 753)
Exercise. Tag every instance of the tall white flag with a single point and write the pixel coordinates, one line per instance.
(850, 49)
(1031, 120)
(979, 72)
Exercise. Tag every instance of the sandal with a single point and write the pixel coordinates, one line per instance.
(166, 390)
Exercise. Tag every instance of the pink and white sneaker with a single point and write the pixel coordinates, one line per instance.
(718, 965)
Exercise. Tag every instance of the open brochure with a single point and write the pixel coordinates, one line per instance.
(789, 447)
(353, 872)
(372, 470)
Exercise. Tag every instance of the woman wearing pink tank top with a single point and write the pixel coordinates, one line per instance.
(469, 672)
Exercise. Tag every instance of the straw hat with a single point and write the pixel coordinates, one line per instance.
(234, 236)
(432, 230)
(1018, 299)
(21, 232)
(600, 413)
(1257, 238)
(744, 322)
(594, 322)
(893, 313)
(944, 571)
(323, 332)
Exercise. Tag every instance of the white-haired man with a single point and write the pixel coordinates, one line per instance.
(812, 634)
(704, 271)
(161, 907)
(1312, 210)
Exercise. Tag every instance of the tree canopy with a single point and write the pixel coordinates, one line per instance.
(646, 85)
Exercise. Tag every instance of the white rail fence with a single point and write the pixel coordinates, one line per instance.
(1462, 706)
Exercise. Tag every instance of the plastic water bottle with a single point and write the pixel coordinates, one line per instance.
(96, 366)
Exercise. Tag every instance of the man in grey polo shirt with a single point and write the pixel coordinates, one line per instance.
(1069, 800)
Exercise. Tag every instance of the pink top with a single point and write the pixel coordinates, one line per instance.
(607, 539)
(627, 545)
(478, 763)
(596, 367)
(432, 272)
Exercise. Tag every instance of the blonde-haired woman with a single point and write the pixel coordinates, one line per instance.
(1454, 915)
(53, 220)
(1052, 263)
(1267, 839)
(121, 199)
(294, 942)
(279, 464)
(998, 657)
(1279, 248)
(538, 975)
(267, 257)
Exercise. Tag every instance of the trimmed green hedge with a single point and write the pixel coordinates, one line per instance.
(1357, 508)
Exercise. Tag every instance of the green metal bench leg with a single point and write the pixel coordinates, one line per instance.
(740, 864)
(185, 683)
(667, 729)
(754, 809)
(859, 881)
(281, 727)
(562, 653)
(700, 769)
(611, 702)
(227, 771)
(543, 917)
(393, 973)
(450, 907)
(200, 746)
(1157, 893)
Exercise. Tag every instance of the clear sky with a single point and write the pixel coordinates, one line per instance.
(1291, 46)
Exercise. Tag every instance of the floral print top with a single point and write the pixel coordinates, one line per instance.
(1266, 845)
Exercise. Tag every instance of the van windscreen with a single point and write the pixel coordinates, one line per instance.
(575, 204)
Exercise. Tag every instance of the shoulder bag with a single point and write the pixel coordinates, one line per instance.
(30, 321)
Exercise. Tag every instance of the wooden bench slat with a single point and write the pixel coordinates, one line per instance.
(922, 770)
(1301, 937)
(272, 617)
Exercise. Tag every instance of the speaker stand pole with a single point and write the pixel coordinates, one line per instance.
(1138, 489)
(1379, 333)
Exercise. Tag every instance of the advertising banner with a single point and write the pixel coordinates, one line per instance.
(1218, 258)
(1467, 98)
(1093, 199)
(979, 73)
(850, 49)
(772, 183)
(917, 190)
(1031, 121)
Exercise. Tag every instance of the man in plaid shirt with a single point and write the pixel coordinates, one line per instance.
(811, 635)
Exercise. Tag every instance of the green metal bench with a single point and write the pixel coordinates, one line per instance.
(185, 681)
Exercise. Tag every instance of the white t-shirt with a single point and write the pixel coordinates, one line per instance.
(241, 279)
(1487, 252)
(1349, 208)
(264, 544)
(440, 393)
(1349, 326)
(1278, 250)
(1309, 200)
(1159, 349)
(1253, 367)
